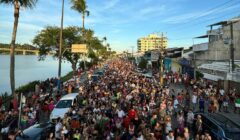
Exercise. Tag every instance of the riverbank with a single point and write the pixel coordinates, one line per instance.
(29, 88)
(28, 68)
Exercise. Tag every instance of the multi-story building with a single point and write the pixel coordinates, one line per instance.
(214, 58)
(218, 47)
(151, 42)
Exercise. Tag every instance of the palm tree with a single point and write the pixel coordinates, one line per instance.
(81, 7)
(104, 39)
(108, 46)
(17, 4)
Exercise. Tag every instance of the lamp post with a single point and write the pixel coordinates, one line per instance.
(60, 49)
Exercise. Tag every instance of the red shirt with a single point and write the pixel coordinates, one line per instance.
(132, 114)
(180, 98)
(126, 122)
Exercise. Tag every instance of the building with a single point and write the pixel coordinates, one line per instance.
(219, 41)
(214, 58)
(151, 42)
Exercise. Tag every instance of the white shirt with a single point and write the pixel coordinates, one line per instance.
(168, 138)
(190, 117)
(121, 114)
(58, 128)
(129, 97)
(175, 103)
(140, 138)
(221, 92)
(194, 99)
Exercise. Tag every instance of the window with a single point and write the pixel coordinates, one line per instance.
(210, 126)
(64, 104)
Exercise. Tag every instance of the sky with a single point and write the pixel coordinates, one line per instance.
(124, 21)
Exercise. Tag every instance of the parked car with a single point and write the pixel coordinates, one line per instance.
(63, 105)
(36, 132)
(94, 77)
(100, 72)
(8, 125)
(219, 128)
(105, 66)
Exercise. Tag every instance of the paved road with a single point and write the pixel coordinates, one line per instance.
(233, 117)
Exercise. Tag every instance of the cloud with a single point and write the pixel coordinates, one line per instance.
(197, 15)
(21, 26)
(152, 11)
(126, 15)
(110, 4)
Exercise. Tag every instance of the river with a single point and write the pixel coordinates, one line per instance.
(27, 69)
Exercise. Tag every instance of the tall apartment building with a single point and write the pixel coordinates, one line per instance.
(151, 42)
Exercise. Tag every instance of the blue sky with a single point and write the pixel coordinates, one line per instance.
(124, 21)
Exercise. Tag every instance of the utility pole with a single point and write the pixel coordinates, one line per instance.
(60, 49)
(132, 50)
(232, 47)
(161, 61)
(194, 61)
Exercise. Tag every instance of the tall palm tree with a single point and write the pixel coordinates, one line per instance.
(104, 38)
(81, 7)
(16, 4)
(108, 46)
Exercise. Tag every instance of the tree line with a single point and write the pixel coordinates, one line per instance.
(48, 39)
(19, 46)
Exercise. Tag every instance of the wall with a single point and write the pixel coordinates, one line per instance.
(175, 67)
(217, 50)
(236, 37)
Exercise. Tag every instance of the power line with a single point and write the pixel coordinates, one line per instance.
(199, 24)
(213, 10)
(217, 8)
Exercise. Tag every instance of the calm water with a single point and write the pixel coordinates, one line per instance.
(28, 68)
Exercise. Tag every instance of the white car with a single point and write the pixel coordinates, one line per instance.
(63, 105)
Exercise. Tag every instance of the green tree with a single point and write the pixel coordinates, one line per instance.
(143, 63)
(16, 4)
(81, 7)
(48, 40)
(104, 40)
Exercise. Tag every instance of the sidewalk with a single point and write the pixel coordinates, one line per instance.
(233, 117)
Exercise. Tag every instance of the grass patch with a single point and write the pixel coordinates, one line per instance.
(67, 77)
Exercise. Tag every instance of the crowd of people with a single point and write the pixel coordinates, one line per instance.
(124, 105)
(208, 95)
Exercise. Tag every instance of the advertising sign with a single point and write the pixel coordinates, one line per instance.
(79, 48)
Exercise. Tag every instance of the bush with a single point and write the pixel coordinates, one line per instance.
(30, 87)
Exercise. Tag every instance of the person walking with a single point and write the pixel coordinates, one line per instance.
(190, 119)
(194, 100)
(201, 104)
(58, 129)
